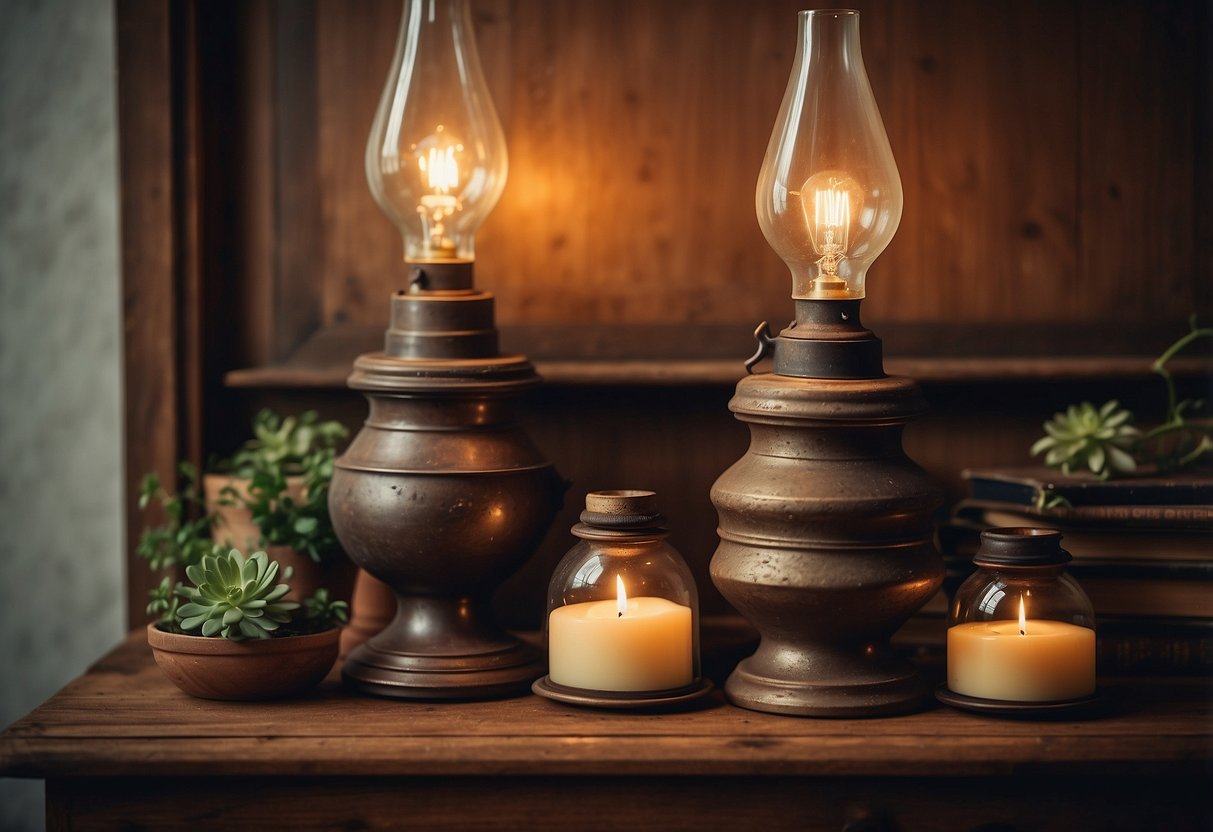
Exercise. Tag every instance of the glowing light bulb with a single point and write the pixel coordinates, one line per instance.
(831, 201)
(436, 158)
(438, 163)
(829, 197)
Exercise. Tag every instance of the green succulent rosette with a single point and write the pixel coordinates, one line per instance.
(234, 597)
(1100, 440)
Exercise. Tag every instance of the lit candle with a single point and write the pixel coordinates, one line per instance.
(628, 644)
(1029, 660)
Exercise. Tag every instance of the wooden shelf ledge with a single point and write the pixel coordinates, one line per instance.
(714, 354)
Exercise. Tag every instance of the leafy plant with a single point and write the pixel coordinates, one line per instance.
(1178, 441)
(185, 538)
(164, 602)
(1104, 441)
(280, 449)
(302, 524)
(285, 444)
(234, 598)
(1047, 498)
(320, 612)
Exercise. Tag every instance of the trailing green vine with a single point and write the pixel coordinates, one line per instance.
(185, 536)
(1105, 442)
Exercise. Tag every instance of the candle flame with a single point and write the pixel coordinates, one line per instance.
(1023, 619)
(621, 596)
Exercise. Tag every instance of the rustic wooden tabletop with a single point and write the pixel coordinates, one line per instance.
(123, 717)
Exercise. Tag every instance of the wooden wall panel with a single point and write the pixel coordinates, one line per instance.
(1047, 151)
(145, 95)
(361, 265)
(1140, 77)
(982, 118)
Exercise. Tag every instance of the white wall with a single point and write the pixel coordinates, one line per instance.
(61, 586)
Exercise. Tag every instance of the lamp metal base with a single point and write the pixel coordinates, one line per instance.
(506, 670)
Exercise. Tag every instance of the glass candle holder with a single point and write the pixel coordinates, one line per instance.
(623, 611)
(1020, 629)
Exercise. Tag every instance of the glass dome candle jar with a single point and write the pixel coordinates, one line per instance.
(623, 611)
(1020, 629)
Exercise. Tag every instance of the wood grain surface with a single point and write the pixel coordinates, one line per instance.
(153, 248)
(124, 718)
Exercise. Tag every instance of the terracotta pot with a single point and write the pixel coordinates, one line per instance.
(372, 608)
(236, 528)
(215, 668)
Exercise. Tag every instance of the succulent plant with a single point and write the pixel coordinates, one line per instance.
(1100, 440)
(1103, 440)
(234, 597)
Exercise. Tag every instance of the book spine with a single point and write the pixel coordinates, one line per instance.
(1198, 518)
(1136, 515)
(1017, 488)
(1134, 654)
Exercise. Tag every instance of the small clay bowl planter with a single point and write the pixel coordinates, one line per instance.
(271, 668)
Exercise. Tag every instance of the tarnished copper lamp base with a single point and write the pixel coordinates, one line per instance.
(826, 525)
(442, 495)
(440, 650)
(876, 688)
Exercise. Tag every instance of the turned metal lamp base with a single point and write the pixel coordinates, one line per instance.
(442, 495)
(863, 689)
(479, 665)
(825, 524)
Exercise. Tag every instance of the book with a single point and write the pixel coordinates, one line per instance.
(1128, 544)
(1183, 500)
(1150, 646)
(1156, 597)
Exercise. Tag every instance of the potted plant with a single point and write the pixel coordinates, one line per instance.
(233, 634)
(1104, 442)
(273, 495)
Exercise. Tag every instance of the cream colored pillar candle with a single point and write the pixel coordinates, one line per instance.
(1030, 660)
(633, 644)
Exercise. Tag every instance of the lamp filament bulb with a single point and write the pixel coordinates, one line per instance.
(438, 163)
(831, 201)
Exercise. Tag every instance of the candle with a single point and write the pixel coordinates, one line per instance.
(1029, 660)
(628, 644)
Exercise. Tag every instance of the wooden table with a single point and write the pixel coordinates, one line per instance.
(121, 748)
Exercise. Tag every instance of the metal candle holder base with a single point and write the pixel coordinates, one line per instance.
(442, 495)
(825, 524)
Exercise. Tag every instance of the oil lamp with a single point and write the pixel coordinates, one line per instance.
(825, 524)
(441, 495)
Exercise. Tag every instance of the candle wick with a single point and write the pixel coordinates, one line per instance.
(621, 615)
(1022, 633)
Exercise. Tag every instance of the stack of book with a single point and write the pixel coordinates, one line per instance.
(1142, 547)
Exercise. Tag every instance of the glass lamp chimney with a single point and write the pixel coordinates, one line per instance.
(436, 159)
(829, 197)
